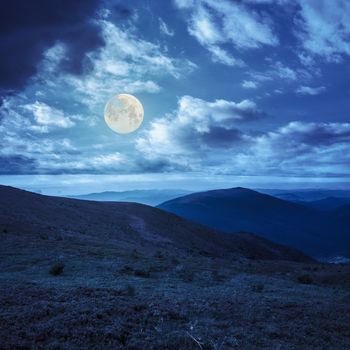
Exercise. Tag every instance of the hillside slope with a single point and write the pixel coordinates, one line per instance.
(240, 209)
(94, 275)
(126, 225)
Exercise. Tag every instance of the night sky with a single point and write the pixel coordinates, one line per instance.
(232, 91)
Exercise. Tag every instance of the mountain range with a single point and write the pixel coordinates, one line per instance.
(306, 195)
(148, 197)
(126, 225)
(319, 234)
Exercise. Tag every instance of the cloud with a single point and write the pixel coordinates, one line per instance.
(218, 23)
(263, 2)
(27, 30)
(307, 90)
(164, 29)
(283, 71)
(184, 137)
(48, 123)
(277, 70)
(25, 154)
(213, 137)
(103, 163)
(297, 149)
(316, 134)
(16, 164)
(47, 116)
(248, 84)
(323, 28)
(36, 118)
(147, 86)
(126, 63)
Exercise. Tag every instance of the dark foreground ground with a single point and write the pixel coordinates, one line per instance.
(107, 299)
(135, 277)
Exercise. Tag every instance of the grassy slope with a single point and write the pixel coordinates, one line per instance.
(125, 286)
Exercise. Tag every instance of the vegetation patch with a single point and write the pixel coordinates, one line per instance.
(257, 288)
(305, 279)
(159, 255)
(56, 269)
(142, 273)
(185, 275)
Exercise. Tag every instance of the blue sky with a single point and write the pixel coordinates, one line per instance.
(232, 90)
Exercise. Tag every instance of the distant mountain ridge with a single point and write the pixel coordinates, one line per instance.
(306, 195)
(148, 197)
(328, 203)
(285, 222)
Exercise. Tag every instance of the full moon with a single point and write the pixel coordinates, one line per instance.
(123, 113)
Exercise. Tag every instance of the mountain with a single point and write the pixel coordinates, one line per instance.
(306, 195)
(127, 225)
(327, 204)
(240, 209)
(105, 275)
(148, 197)
(342, 214)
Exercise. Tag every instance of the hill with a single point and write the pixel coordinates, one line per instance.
(289, 223)
(127, 225)
(100, 275)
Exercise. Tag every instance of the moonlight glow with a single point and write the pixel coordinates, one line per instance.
(124, 113)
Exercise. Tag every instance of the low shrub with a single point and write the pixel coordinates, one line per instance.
(56, 269)
(258, 288)
(175, 260)
(217, 276)
(159, 255)
(142, 273)
(186, 275)
(305, 279)
(126, 269)
(129, 291)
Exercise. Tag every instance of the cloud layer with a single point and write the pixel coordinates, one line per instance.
(249, 87)
(214, 136)
(46, 128)
(216, 23)
(27, 30)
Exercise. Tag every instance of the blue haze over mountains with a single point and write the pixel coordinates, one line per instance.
(313, 229)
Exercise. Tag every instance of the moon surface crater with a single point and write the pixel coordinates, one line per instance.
(124, 113)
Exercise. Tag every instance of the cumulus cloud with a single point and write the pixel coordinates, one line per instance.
(298, 148)
(308, 90)
(216, 23)
(283, 71)
(36, 118)
(48, 124)
(47, 116)
(214, 136)
(23, 155)
(126, 63)
(196, 127)
(248, 84)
